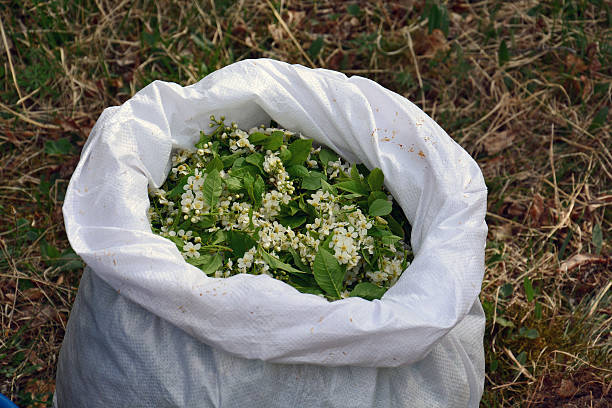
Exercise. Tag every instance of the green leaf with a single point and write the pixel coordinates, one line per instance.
(327, 241)
(307, 208)
(529, 292)
(67, 260)
(493, 365)
(306, 289)
(297, 260)
(374, 195)
(212, 188)
(327, 156)
(276, 263)
(440, 19)
(218, 237)
(292, 221)
(48, 251)
(178, 190)
(538, 310)
(506, 289)
(305, 284)
(246, 170)
(529, 333)
(214, 164)
(380, 207)
(376, 179)
(233, 183)
(379, 232)
(290, 209)
(597, 238)
(200, 260)
(258, 138)
(204, 138)
(259, 187)
(300, 149)
(228, 161)
(238, 162)
(390, 239)
(315, 47)
(328, 273)
(368, 291)
(326, 187)
(395, 226)
(249, 181)
(275, 141)
(502, 53)
(433, 17)
(257, 160)
(177, 241)
(285, 155)
(208, 264)
(312, 181)
(503, 322)
(352, 186)
(600, 118)
(215, 148)
(59, 147)
(206, 221)
(240, 242)
(361, 203)
(298, 170)
(354, 10)
(355, 173)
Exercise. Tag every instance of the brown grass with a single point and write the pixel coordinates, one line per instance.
(534, 117)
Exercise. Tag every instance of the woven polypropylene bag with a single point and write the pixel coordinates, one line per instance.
(424, 337)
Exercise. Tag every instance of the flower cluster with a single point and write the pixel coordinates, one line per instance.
(266, 201)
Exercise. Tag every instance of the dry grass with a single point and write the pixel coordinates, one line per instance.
(524, 86)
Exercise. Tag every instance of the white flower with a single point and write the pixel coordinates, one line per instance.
(246, 261)
(190, 250)
(377, 276)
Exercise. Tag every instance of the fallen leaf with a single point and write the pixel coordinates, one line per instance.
(581, 259)
(592, 49)
(536, 211)
(498, 141)
(513, 209)
(566, 389)
(126, 61)
(335, 59)
(594, 65)
(33, 293)
(249, 41)
(502, 232)
(40, 391)
(276, 32)
(10, 136)
(587, 87)
(460, 6)
(33, 358)
(434, 42)
(575, 64)
(40, 317)
(295, 17)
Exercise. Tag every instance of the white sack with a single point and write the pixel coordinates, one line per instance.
(438, 185)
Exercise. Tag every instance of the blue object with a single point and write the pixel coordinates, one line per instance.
(6, 403)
